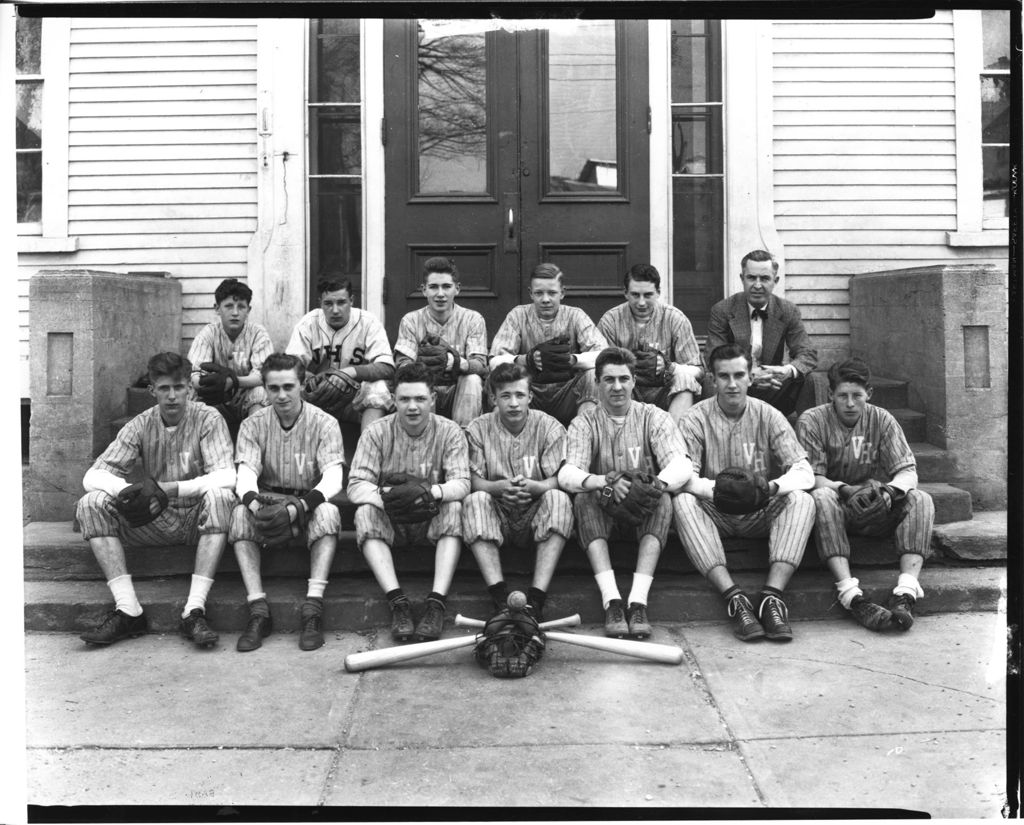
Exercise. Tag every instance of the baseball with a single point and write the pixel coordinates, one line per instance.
(516, 600)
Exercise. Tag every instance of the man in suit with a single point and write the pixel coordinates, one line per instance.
(769, 326)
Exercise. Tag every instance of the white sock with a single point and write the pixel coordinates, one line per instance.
(609, 589)
(255, 597)
(908, 585)
(125, 599)
(848, 590)
(641, 587)
(197, 594)
(315, 589)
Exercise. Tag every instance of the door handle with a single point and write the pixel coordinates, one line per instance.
(510, 232)
(510, 237)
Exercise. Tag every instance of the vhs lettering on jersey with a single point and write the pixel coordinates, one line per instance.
(863, 450)
(334, 355)
(756, 459)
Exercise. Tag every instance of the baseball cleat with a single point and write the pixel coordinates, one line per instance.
(311, 616)
(259, 627)
(432, 623)
(870, 615)
(774, 618)
(615, 619)
(745, 625)
(195, 628)
(901, 607)
(117, 625)
(402, 627)
(636, 616)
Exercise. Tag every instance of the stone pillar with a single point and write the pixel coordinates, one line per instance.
(91, 335)
(943, 329)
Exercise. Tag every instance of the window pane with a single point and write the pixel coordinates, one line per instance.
(995, 34)
(30, 187)
(582, 115)
(995, 109)
(697, 264)
(697, 140)
(337, 229)
(338, 145)
(452, 113)
(996, 174)
(337, 78)
(29, 123)
(696, 62)
(28, 34)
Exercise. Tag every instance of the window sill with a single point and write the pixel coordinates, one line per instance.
(38, 245)
(988, 237)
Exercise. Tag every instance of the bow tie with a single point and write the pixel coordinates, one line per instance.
(759, 313)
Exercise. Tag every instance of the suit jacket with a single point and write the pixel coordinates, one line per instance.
(783, 328)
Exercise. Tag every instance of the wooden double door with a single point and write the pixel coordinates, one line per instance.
(505, 149)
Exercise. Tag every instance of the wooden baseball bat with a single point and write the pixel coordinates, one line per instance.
(569, 621)
(369, 659)
(666, 654)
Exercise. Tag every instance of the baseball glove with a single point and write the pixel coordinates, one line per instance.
(408, 501)
(433, 353)
(642, 499)
(869, 504)
(555, 358)
(217, 384)
(332, 391)
(141, 503)
(510, 645)
(739, 491)
(646, 370)
(273, 523)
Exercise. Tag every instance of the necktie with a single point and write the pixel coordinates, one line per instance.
(758, 313)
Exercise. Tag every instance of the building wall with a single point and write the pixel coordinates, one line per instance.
(864, 143)
(161, 154)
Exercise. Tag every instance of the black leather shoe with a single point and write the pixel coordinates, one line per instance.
(117, 625)
(636, 616)
(745, 625)
(902, 607)
(311, 615)
(615, 620)
(432, 623)
(870, 615)
(258, 628)
(774, 618)
(402, 626)
(195, 628)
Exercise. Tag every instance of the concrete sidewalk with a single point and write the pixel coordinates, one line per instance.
(839, 717)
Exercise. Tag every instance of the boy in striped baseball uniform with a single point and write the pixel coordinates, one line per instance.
(294, 449)
(459, 386)
(540, 322)
(625, 435)
(236, 345)
(186, 449)
(649, 328)
(733, 430)
(514, 456)
(336, 336)
(415, 442)
(851, 442)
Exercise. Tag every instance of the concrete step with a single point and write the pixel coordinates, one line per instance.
(935, 464)
(890, 393)
(951, 503)
(356, 603)
(912, 422)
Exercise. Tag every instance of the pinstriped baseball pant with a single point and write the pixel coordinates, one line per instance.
(182, 522)
(912, 522)
(594, 523)
(461, 401)
(373, 523)
(786, 521)
(563, 400)
(326, 521)
(484, 519)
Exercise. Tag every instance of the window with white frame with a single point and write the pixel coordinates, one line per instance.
(995, 115)
(28, 121)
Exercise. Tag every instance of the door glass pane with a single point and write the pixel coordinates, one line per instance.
(29, 33)
(995, 109)
(337, 62)
(696, 140)
(452, 113)
(696, 62)
(582, 108)
(337, 243)
(338, 146)
(995, 34)
(29, 124)
(30, 187)
(996, 166)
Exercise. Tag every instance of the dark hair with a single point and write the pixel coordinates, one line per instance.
(507, 373)
(852, 370)
(333, 283)
(726, 352)
(615, 356)
(232, 288)
(169, 364)
(643, 272)
(759, 256)
(281, 361)
(414, 372)
(546, 270)
(440, 265)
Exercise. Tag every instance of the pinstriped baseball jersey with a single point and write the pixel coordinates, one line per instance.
(294, 458)
(873, 447)
(535, 453)
(197, 445)
(645, 442)
(244, 355)
(361, 341)
(760, 440)
(668, 330)
(522, 330)
(437, 455)
(465, 331)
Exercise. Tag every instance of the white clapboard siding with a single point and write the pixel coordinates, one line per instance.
(162, 158)
(864, 146)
